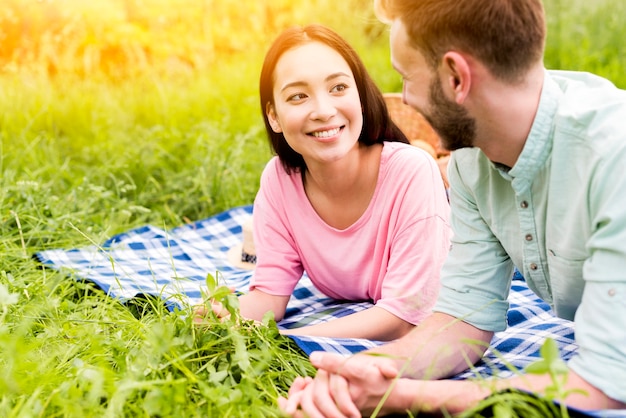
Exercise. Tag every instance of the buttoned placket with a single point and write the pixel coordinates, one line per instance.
(534, 155)
(533, 269)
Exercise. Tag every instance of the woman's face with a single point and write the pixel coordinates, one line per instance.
(316, 103)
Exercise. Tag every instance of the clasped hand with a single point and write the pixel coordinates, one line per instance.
(343, 387)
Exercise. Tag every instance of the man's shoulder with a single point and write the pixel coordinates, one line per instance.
(590, 117)
(586, 94)
(471, 167)
(471, 155)
(582, 79)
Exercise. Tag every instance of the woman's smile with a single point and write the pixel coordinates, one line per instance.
(327, 134)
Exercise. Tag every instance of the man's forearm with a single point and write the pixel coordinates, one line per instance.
(454, 396)
(440, 346)
(581, 394)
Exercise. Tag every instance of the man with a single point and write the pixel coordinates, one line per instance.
(537, 181)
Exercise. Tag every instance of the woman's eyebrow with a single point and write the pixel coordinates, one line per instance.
(336, 75)
(302, 83)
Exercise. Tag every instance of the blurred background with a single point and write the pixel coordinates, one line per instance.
(115, 113)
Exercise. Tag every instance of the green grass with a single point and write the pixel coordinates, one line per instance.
(87, 152)
(587, 36)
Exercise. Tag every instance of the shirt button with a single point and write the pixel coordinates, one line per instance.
(528, 237)
(533, 266)
(524, 204)
(612, 292)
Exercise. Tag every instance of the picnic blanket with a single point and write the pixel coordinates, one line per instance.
(173, 265)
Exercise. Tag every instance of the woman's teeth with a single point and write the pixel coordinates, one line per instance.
(326, 134)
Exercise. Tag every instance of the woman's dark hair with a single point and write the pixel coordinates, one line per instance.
(377, 124)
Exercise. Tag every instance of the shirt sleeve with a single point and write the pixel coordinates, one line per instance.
(601, 316)
(411, 285)
(477, 274)
(278, 268)
(419, 236)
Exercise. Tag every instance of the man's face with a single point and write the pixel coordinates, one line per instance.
(422, 90)
(455, 127)
(412, 66)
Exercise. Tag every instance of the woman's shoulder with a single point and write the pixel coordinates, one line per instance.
(406, 154)
(275, 178)
(273, 163)
(274, 169)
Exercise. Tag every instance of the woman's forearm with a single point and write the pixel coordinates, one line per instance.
(373, 324)
(255, 304)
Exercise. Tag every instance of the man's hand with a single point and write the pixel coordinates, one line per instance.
(343, 387)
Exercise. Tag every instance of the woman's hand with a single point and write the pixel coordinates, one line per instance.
(200, 312)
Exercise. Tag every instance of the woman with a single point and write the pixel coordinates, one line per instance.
(346, 198)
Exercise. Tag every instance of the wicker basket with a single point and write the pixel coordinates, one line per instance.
(413, 124)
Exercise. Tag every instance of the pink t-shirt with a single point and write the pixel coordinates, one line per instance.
(392, 255)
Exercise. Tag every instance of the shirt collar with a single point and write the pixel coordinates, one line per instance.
(538, 145)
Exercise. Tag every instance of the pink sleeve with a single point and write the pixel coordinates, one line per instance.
(419, 222)
(278, 268)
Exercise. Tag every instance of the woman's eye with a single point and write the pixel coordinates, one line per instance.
(339, 88)
(296, 97)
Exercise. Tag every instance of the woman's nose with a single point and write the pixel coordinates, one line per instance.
(323, 108)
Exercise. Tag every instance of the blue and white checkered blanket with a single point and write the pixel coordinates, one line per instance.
(173, 265)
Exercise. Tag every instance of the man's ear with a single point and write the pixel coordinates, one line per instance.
(457, 75)
(272, 119)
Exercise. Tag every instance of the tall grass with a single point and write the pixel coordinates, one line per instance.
(118, 113)
(587, 36)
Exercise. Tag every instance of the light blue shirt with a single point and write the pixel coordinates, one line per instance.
(559, 216)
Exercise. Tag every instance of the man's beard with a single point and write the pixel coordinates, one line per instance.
(450, 120)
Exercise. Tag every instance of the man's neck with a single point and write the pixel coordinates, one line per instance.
(507, 118)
